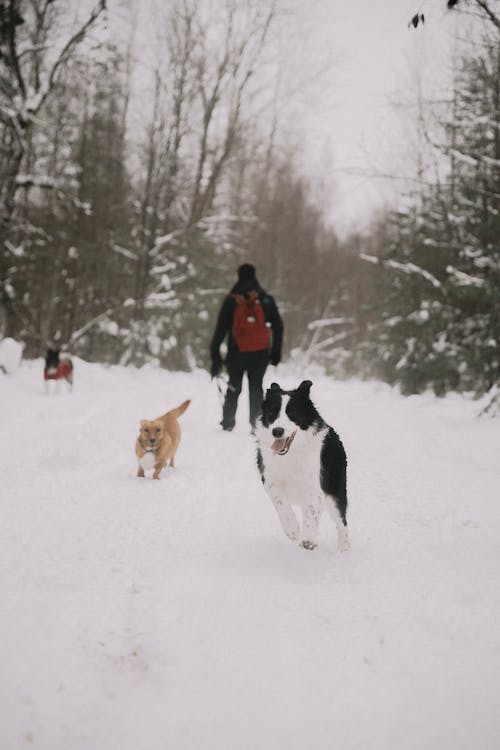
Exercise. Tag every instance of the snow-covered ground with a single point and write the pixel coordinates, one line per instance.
(175, 615)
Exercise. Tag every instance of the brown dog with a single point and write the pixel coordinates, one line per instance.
(158, 441)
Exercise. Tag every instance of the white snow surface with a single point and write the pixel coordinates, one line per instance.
(11, 352)
(175, 615)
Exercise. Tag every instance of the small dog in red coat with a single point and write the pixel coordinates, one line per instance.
(57, 368)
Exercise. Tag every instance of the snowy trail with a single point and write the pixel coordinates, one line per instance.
(143, 615)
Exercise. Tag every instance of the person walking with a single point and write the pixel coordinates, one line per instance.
(250, 319)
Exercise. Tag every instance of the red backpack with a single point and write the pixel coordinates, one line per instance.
(249, 323)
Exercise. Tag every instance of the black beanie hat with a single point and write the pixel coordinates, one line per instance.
(246, 272)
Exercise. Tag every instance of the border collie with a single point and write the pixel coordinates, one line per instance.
(57, 367)
(302, 463)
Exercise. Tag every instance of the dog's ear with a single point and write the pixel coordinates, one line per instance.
(143, 422)
(305, 387)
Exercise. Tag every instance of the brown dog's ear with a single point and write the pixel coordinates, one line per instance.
(143, 422)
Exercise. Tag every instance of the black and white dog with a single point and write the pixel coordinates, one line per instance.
(302, 463)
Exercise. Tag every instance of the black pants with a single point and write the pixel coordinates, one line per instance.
(237, 363)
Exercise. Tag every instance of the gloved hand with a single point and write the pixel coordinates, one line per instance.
(216, 367)
(275, 358)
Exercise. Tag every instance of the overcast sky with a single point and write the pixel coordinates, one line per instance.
(352, 125)
(346, 63)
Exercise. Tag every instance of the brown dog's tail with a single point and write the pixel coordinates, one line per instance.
(180, 409)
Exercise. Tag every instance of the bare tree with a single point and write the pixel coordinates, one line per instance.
(28, 77)
(29, 70)
(222, 87)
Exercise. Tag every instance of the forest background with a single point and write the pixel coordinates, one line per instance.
(139, 168)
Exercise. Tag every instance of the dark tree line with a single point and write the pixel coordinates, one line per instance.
(120, 247)
(430, 316)
(119, 242)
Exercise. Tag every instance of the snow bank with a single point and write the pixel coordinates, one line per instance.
(11, 353)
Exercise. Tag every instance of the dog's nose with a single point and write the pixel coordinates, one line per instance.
(278, 432)
(152, 441)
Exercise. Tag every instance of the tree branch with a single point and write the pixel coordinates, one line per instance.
(68, 47)
(14, 60)
(491, 15)
(408, 268)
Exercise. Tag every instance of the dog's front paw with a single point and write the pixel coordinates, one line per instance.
(288, 521)
(292, 531)
(307, 544)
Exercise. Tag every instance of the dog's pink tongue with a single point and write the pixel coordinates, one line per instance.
(278, 445)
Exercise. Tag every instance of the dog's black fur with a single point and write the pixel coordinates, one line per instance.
(57, 367)
(52, 359)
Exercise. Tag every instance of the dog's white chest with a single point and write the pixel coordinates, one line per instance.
(147, 462)
(296, 473)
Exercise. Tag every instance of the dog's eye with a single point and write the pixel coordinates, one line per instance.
(146, 429)
(157, 429)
